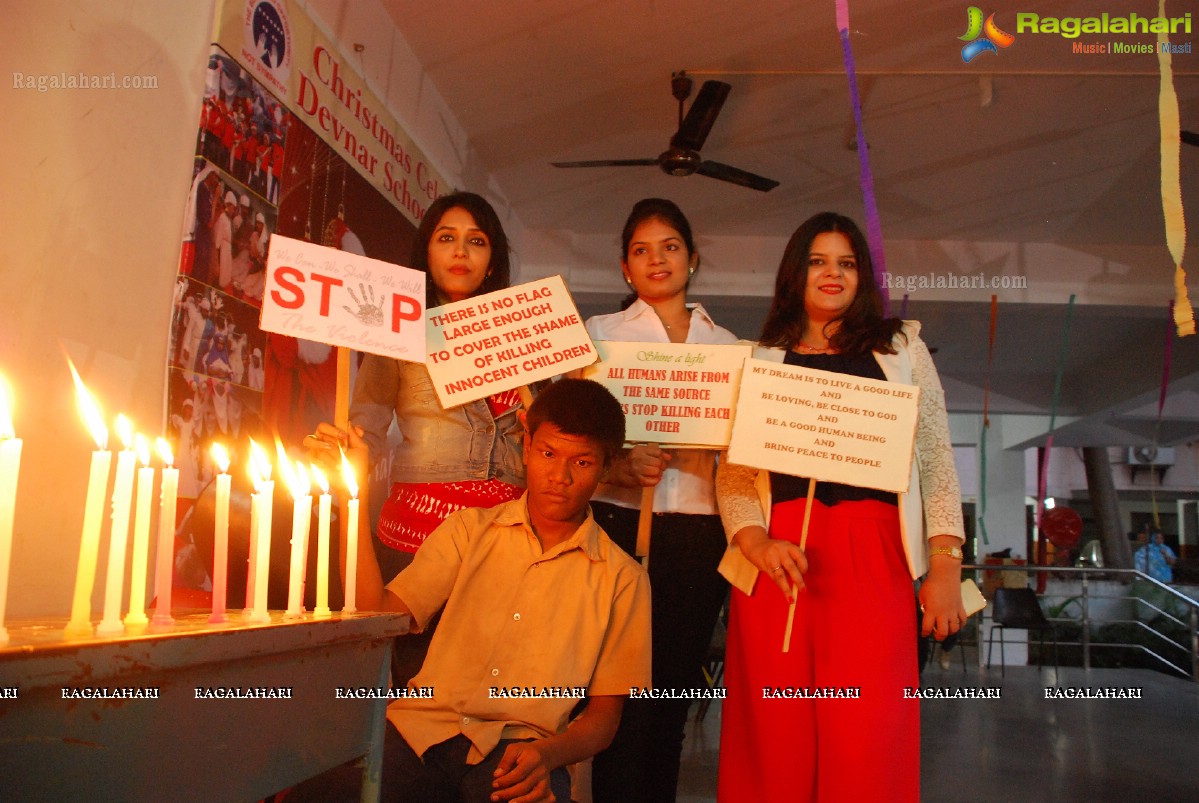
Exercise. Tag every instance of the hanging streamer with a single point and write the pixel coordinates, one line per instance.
(982, 480)
(903, 307)
(874, 229)
(1044, 472)
(1176, 232)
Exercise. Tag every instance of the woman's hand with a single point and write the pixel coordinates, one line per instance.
(640, 466)
(326, 446)
(941, 598)
(782, 561)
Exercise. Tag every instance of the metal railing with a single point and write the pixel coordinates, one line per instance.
(1085, 620)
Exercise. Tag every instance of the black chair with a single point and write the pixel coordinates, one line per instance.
(1020, 609)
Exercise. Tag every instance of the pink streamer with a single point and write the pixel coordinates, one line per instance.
(874, 229)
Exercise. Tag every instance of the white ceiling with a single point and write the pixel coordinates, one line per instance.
(1034, 145)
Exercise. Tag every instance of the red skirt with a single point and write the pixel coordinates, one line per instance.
(854, 633)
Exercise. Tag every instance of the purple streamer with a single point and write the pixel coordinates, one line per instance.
(874, 229)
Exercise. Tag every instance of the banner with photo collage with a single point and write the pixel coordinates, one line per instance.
(290, 141)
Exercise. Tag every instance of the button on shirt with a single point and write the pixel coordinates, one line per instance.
(687, 482)
(582, 619)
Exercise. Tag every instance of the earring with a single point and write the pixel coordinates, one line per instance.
(628, 281)
(691, 271)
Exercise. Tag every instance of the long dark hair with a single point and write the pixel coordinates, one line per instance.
(863, 328)
(656, 209)
(499, 270)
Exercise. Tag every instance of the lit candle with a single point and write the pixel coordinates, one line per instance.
(80, 623)
(166, 536)
(262, 501)
(322, 545)
(297, 480)
(122, 498)
(252, 543)
(220, 540)
(141, 535)
(351, 536)
(10, 463)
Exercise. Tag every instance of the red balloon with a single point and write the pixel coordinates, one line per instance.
(1063, 527)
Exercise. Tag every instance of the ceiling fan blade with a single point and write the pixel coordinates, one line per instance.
(609, 163)
(736, 176)
(1189, 137)
(701, 116)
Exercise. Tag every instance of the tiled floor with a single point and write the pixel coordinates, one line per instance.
(1026, 748)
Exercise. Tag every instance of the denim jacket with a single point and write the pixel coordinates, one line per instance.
(436, 445)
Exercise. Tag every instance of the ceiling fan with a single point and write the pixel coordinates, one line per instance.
(682, 157)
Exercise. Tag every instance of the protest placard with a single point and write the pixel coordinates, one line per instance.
(682, 394)
(825, 426)
(503, 340)
(343, 299)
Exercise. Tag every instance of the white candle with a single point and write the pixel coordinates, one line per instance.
(351, 537)
(80, 623)
(141, 536)
(220, 539)
(166, 537)
(122, 499)
(324, 506)
(263, 502)
(301, 517)
(10, 464)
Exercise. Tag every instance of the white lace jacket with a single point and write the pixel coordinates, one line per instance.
(932, 504)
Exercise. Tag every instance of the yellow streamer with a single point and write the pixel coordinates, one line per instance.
(1176, 233)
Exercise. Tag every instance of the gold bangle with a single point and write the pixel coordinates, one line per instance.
(952, 551)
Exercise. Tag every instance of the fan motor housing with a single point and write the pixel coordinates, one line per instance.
(679, 162)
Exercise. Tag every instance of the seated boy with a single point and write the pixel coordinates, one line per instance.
(538, 602)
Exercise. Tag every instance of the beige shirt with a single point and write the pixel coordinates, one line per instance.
(517, 618)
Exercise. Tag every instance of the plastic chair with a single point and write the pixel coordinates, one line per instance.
(1019, 609)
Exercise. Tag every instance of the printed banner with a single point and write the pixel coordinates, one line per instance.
(682, 394)
(502, 340)
(342, 299)
(825, 426)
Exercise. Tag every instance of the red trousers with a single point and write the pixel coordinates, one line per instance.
(854, 628)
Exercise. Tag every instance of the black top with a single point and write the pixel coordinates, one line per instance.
(784, 487)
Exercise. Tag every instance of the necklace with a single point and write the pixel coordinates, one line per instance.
(813, 350)
(676, 323)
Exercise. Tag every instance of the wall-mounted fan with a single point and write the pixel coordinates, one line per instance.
(682, 157)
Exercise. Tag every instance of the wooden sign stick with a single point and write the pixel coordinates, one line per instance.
(526, 396)
(341, 399)
(645, 522)
(803, 543)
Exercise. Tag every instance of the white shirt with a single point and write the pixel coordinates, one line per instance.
(688, 484)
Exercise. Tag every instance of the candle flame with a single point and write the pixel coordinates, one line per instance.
(293, 474)
(142, 447)
(347, 473)
(164, 449)
(89, 410)
(260, 464)
(220, 456)
(6, 425)
(303, 486)
(124, 429)
(319, 477)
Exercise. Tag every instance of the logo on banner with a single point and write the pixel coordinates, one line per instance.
(268, 42)
(982, 36)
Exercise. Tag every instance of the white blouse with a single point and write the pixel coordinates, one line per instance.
(687, 484)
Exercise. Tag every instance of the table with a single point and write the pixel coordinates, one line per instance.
(190, 743)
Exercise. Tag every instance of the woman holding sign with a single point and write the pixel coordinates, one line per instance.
(445, 460)
(658, 259)
(781, 738)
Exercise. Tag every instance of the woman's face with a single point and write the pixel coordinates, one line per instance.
(832, 281)
(459, 255)
(657, 262)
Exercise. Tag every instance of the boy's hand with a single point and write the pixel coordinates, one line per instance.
(522, 775)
